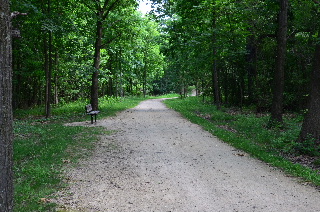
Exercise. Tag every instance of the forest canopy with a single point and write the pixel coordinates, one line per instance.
(57, 47)
(257, 54)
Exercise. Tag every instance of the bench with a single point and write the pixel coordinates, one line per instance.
(91, 112)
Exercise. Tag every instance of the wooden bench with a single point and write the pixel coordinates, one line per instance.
(91, 112)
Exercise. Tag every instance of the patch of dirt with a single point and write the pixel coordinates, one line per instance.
(204, 115)
(308, 161)
(228, 128)
(158, 161)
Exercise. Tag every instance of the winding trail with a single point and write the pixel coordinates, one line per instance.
(158, 161)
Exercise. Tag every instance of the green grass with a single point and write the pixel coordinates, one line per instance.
(248, 132)
(42, 146)
(39, 152)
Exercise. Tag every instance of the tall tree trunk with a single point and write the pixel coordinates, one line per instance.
(56, 87)
(6, 120)
(96, 65)
(252, 71)
(110, 87)
(215, 77)
(56, 91)
(278, 87)
(216, 88)
(311, 124)
(48, 77)
(144, 84)
(48, 67)
(103, 9)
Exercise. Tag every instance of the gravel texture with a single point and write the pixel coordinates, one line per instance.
(158, 161)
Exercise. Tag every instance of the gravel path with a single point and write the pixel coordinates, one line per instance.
(158, 161)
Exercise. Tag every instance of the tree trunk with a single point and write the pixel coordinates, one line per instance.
(48, 76)
(56, 91)
(215, 78)
(6, 120)
(311, 124)
(48, 67)
(216, 88)
(144, 84)
(252, 71)
(96, 65)
(110, 87)
(278, 87)
(56, 78)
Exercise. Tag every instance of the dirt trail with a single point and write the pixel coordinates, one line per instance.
(158, 161)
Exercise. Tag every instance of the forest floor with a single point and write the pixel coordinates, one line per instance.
(155, 160)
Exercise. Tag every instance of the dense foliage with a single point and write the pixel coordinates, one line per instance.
(257, 54)
(227, 50)
(59, 36)
(237, 40)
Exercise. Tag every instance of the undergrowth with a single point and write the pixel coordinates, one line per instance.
(247, 131)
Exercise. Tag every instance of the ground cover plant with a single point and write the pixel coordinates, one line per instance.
(247, 131)
(42, 146)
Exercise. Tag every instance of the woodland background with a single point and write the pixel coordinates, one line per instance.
(262, 55)
(256, 65)
(237, 38)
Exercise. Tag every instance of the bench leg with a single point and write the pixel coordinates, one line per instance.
(95, 117)
(91, 119)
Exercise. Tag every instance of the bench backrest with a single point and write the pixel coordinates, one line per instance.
(88, 108)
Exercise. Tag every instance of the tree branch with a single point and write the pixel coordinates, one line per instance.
(106, 2)
(111, 40)
(16, 13)
(107, 11)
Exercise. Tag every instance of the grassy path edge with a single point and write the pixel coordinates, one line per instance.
(305, 174)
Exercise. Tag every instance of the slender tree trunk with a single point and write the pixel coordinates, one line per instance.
(56, 97)
(48, 77)
(56, 79)
(96, 65)
(215, 77)
(252, 71)
(6, 120)
(278, 87)
(144, 86)
(103, 10)
(311, 124)
(110, 87)
(216, 88)
(48, 67)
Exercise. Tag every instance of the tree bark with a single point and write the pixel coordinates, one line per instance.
(48, 76)
(215, 75)
(311, 124)
(216, 87)
(96, 65)
(144, 84)
(102, 14)
(56, 79)
(278, 87)
(48, 67)
(252, 71)
(6, 135)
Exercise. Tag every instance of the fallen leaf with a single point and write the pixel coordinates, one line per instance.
(66, 161)
(240, 154)
(44, 200)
